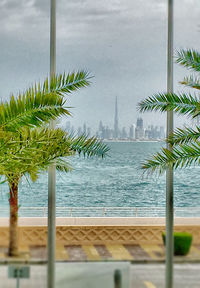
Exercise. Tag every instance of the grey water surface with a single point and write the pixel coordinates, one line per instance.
(117, 180)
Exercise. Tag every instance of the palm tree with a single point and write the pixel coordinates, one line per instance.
(26, 149)
(33, 151)
(185, 141)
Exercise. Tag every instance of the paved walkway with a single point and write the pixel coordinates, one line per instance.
(78, 275)
(134, 253)
(153, 275)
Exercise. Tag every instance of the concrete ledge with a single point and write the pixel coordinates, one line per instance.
(98, 231)
(103, 221)
(95, 235)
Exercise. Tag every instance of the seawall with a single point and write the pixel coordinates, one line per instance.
(98, 230)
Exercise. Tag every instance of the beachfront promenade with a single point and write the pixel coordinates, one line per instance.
(99, 239)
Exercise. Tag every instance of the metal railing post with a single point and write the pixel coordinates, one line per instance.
(169, 172)
(52, 169)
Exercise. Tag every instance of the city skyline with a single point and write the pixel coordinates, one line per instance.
(132, 131)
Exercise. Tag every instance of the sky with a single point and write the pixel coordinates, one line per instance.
(122, 43)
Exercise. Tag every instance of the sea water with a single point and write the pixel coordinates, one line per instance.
(115, 181)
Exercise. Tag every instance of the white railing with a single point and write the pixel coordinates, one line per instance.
(103, 211)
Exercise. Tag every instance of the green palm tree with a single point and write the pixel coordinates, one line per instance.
(33, 151)
(27, 149)
(185, 141)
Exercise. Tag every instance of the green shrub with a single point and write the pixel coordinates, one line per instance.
(182, 242)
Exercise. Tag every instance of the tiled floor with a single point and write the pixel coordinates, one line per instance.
(100, 252)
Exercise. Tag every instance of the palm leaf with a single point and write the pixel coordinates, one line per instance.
(40, 103)
(192, 82)
(179, 103)
(88, 146)
(189, 58)
(181, 156)
(184, 142)
(63, 84)
(63, 165)
(34, 150)
(183, 136)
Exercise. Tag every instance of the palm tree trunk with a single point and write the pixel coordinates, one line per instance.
(13, 228)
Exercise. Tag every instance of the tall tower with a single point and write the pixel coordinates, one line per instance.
(116, 128)
(140, 123)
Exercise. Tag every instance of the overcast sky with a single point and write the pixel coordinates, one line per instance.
(121, 42)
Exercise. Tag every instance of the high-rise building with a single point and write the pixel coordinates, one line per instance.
(155, 132)
(139, 130)
(100, 126)
(162, 133)
(132, 131)
(124, 133)
(116, 127)
(139, 123)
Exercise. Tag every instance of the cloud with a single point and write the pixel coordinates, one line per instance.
(23, 15)
(20, 17)
(122, 42)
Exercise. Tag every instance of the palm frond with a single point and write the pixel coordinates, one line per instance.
(41, 103)
(63, 166)
(33, 173)
(192, 82)
(189, 58)
(184, 142)
(64, 84)
(34, 150)
(179, 103)
(183, 136)
(88, 146)
(30, 112)
(181, 156)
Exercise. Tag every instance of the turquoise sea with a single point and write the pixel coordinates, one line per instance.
(116, 181)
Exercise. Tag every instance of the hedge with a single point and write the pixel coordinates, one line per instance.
(182, 242)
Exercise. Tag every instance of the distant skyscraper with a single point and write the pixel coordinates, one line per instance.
(140, 123)
(124, 133)
(132, 132)
(116, 128)
(139, 130)
(100, 126)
